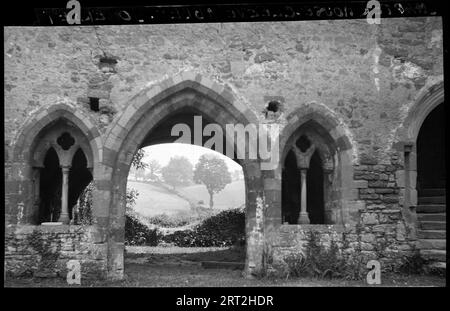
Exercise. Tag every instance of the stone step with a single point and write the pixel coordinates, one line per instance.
(431, 200)
(432, 244)
(432, 192)
(430, 208)
(432, 225)
(434, 254)
(431, 234)
(223, 265)
(438, 265)
(432, 217)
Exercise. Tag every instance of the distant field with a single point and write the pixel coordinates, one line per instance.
(232, 196)
(153, 200)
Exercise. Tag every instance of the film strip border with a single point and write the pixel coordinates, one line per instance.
(234, 13)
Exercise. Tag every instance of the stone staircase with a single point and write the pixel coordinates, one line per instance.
(431, 216)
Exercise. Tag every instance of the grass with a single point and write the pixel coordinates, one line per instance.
(233, 195)
(192, 254)
(154, 200)
(155, 268)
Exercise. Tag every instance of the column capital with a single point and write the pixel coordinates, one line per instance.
(303, 158)
(65, 167)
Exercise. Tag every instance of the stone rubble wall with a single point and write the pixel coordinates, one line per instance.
(367, 75)
(43, 251)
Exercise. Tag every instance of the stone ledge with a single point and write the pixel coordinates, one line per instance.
(316, 228)
(28, 229)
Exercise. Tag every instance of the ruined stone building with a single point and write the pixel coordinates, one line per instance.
(360, 110)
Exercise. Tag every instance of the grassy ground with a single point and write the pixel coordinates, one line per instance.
(154, 200)
(157, 268)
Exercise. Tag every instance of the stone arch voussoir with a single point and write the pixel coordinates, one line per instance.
(324, 118)
(428, 99)
(155, 93)
(43, 117)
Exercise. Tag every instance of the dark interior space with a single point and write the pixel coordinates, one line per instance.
(50, 188)
(79, 178)
(290, 187)
(431, 151)
(314, 190)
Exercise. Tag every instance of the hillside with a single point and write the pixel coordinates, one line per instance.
(232, 196)
(154, 200)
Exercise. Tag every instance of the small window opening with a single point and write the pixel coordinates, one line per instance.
(94, 104)
(108, 61)
(65, 141)
(273, 106)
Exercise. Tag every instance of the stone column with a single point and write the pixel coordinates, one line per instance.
(303, 159)
(303, 218)
(64, 216)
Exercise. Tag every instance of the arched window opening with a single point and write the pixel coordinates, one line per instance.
(431, 151)
(307, 177)
(50, 186)
(79, 178)
(61, 159)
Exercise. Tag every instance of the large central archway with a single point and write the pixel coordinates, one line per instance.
(147, 120)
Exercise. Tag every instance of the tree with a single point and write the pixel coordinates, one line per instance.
(137, 165)
(213, 173)
(137, 162)
(237, 175)
(154, 170)
(177, 172)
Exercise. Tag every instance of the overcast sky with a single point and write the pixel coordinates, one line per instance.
(163, 152)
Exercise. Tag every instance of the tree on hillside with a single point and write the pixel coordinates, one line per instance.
(213, 173)
(178, 172)
(237, 175)
(154, 169)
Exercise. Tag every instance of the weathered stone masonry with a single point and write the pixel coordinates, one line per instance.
(363, 89)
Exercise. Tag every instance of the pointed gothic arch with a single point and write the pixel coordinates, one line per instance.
(41, 132)
(329, 155)
(187, 93)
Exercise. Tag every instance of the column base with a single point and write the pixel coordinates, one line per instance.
(64, 219)
(303, 219)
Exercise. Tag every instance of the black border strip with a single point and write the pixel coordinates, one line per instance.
(226, 13)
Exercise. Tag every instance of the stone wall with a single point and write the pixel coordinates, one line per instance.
(368, 75)
(43, 251)
(383, 239)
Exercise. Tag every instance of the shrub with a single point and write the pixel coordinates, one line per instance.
(296, 264)
(177, 220)
(84, 215)
(137, 233)
(412, 264)
(224, 229)
(320, 261)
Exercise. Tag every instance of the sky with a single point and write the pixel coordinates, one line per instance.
(163, 152)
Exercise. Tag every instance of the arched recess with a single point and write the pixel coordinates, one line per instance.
(332, 156)
(406, 143)
(156, 109)
(39, 134)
